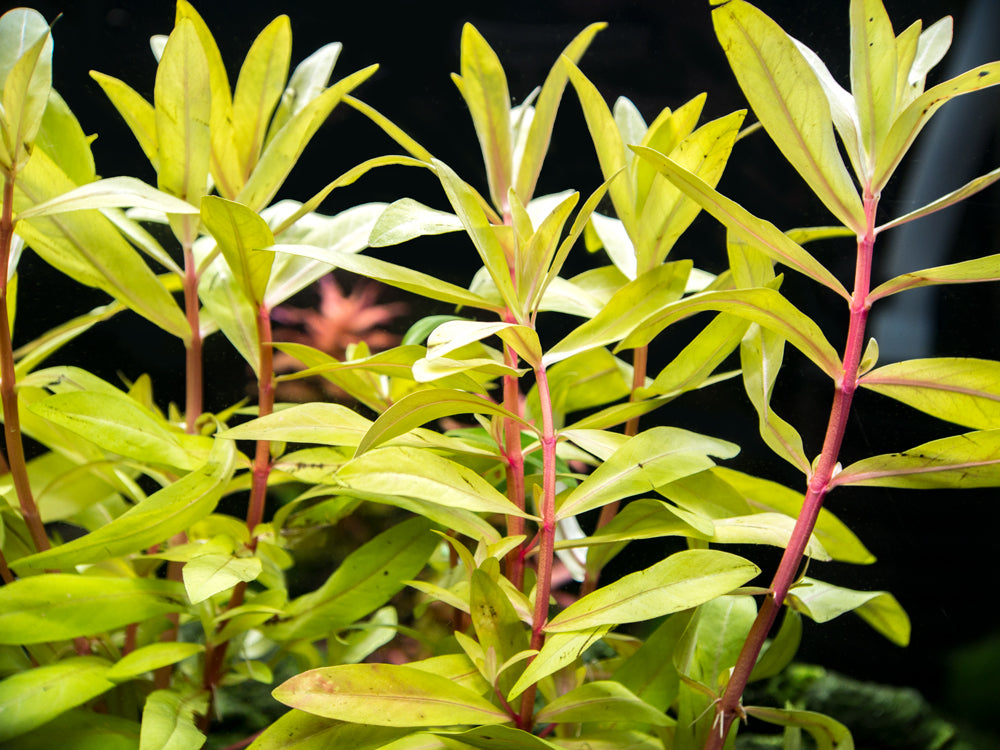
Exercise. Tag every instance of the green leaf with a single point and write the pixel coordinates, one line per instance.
(422, 474)
(311, 76)
(298, 730)
(642, 463)
(494, 738)
(89, 730)
(761, 353)
(758, 233)
(365, 581)
(609, 146)
(483, 85)
(964, 391)
(969, 460)
(151, 657)
(603, 701)
(86, 246)
(157, 518)
(873, 73)
(559, 650)
(386, 695)
(683, 580)
(26, 73)
(647, 673)
(407, 219)
(239, 232)
(168, 721)
(790, 103)
(113, 192)
(454, 334)
(911, 120)
(781, 649)
(393, 275)
(711, 645)
(138, 114)
(829, 733)
(765, 496)
(207, 575)
(30, 699)
(227, 308)
(284, 149)
(970, 188)
(326, 424)
(63, 139)
(763, 306)
(630, 305)
(540, 131)
(425, 406)
(183, 102)
(652, 458)
(965, 272)
(482, 233)
(118, 424)
(823, 602)
(57, 606)
(259, 87)
(497, 625)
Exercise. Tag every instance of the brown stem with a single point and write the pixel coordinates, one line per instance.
(8, 383)
(5, 573)
(640, 357)
(729, 706)
(547, 536)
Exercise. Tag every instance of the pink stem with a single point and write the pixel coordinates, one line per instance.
(729, 706)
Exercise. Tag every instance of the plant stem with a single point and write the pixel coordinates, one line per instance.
(640, 358)
(729, 706)
(8, 383)
(547, 535)
(194, 367)
(514, 469)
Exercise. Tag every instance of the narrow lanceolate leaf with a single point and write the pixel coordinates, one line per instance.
(30, 699)
(393, 275)
(823, 601)
(964, 391)
(136, 111)
(118, 424)
(693, 367)
(311, 76)
(652, 458)
(57, 606)
(406, 219)
(150, 657)
(483, 85)
(298, 730)
(325, 424)
(426, 406)
(168, 720)
(604, 701)
(759, 233)
(761, 354)
(454, 334)
(969, 460)
(183, 108)
(258, 89)
(559, 650)
(26, 83)
(411, 472)
(873, 72)
(630, 305)
(365, 581)
(828, 733)
(763, 306)
(790, 103)
(113, 192)
(685, 579)
(284, 149)
(387, 695)
(970, 188)
(207, 575)
(154, 520)
(240, 233)
(966, 272)
(911, 120)
(540, 130)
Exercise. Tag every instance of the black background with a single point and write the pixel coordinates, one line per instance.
(935, 549)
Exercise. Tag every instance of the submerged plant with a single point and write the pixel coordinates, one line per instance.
(130, 631)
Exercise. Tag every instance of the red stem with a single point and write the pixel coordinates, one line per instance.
(729, 706)
(8, 383)
(547, 536)
(514, 469)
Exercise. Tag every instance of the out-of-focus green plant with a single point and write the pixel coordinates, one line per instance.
(127, 633)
